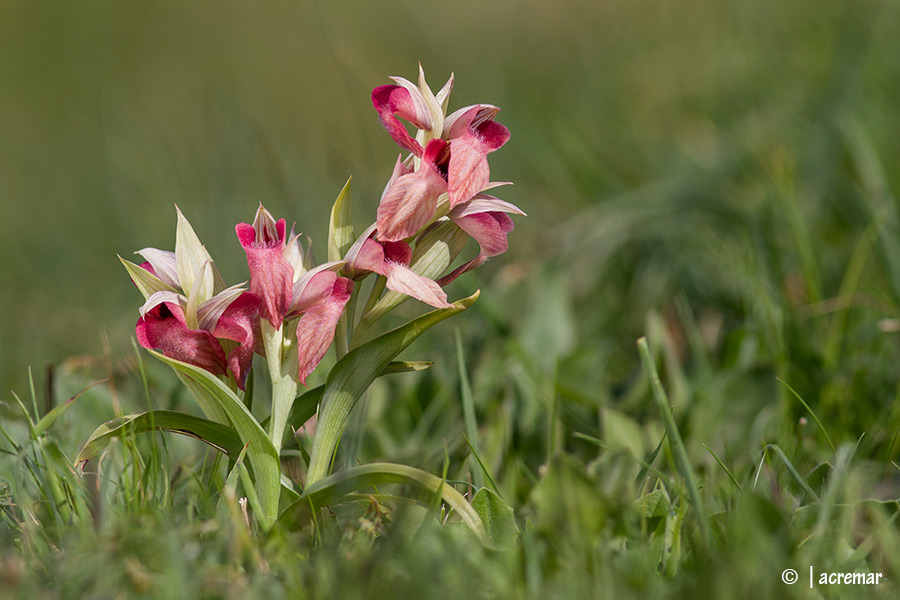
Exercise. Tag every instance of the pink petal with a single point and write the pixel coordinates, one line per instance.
(163, 329)
(240, 323)
(468, 172)
(412, 105)
(409, 204)
(400, 168)
(315, 329)
(412, 200)
(368, 257)
(403, 280)
(489, 229)
(457, 122)
(312, 290)
(271, 275)
(390, 100)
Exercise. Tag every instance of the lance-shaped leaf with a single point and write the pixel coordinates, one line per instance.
(331, 490)
(261, 453)
(221, 437)
(498, 518)
(355, 372)
(340, 227)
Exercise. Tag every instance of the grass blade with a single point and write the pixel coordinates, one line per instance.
(675, 441)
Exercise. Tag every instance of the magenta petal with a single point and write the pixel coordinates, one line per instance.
(489, 229)
(468, 172)
(315, 329)
(271, 275)
(246, 234)
(240, 323)
(388, 101)
(407, 102)
(163, 329)
(457, 122)
(492, 134)
(398, 252)
(403, 280)
(315, 290)
(370, 257)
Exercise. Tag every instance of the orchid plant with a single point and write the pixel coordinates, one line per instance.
(293, 310)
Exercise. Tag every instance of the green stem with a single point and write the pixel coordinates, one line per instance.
(283, 366)
(344, 330)
(368, 317)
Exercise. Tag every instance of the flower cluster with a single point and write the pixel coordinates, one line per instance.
(190, 315)
(447, 172)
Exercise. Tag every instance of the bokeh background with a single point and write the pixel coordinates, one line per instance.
(719, 173)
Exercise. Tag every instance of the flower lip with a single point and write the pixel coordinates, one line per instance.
(391, 101)
(468, 116)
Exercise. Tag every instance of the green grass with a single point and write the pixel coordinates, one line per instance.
(718, 177)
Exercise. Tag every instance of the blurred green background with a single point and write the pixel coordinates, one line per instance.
(705, 160)
(720, 176)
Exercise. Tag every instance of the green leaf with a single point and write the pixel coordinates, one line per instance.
(340, 486)
(340, 226)
(220, 437)
(498, 518)
(355, 372)
(261, 453)
(654, 504)
(305, 405)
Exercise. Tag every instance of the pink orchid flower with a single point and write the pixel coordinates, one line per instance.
(391, 259)
(449, 154)
(486, 219)
(271, 275)
(163, 327)
(287, 289)
(187, 315)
